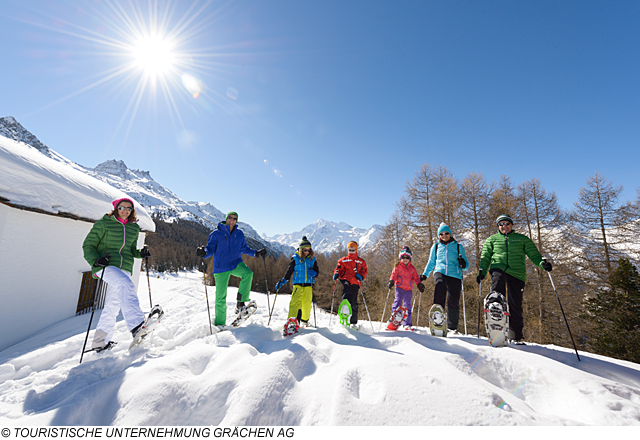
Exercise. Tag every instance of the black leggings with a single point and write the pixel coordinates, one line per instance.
(453, 285)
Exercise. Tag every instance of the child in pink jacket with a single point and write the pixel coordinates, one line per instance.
(402, 277)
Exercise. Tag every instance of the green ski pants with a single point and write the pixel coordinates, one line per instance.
(301, 300)
(222, 282)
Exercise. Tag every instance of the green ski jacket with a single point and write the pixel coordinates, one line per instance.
(108, 235)
(507, 252)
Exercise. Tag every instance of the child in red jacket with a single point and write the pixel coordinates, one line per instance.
(351, 270)
(402, 277)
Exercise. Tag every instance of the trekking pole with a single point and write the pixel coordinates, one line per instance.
(332, 298)
(479, 292)
(204, 277)
(419, 300)
(367, 308)
(464, 312)
(274, 306)
(146, 263)
(95, 301)
(315, 323)
(264, 260)
(385, 308)
(563, 315)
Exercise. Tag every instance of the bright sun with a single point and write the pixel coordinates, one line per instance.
(153, 55)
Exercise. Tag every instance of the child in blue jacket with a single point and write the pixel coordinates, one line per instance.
(302, 271)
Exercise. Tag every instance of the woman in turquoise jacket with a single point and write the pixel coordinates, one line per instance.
(447, 260)
(110, 248)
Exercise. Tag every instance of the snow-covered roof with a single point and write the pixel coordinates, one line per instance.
(30, 179)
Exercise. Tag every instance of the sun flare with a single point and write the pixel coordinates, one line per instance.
(151, 45)
(154, 55)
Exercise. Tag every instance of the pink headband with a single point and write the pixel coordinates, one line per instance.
(115, 203)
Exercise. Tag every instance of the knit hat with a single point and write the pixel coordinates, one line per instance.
(229, 213)
(444, 228)
(352, 244)
(504, 217)
(116, 202)
(405, 251)
(304, 244)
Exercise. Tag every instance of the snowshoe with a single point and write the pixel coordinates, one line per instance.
(147, 327)
(222, 328)
(397, 317)
(409, 328)
(437, 321)
(290, 327)
(355, 327)
(244, 312)
(344, 311)
(106, 347)
(496, 319)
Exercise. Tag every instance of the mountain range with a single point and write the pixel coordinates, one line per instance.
(159, 201)
(326, 236)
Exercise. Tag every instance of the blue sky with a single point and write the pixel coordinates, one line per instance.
(324, 109)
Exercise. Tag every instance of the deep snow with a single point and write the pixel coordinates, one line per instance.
(324, 376)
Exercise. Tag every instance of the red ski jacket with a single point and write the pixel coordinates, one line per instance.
(403, 275)
(348, 267)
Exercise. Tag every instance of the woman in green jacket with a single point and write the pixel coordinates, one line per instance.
(110, 248)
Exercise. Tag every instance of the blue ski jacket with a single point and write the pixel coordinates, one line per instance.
(227, 248)
(303, 270)
(446, 260)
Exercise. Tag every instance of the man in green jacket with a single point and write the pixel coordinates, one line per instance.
(503, 256)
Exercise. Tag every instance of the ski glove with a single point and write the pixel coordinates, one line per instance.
(280, 284)
(421, 287)
(423, 277)
(312, 273)
(261, 253)
(359, 277)
(144, 253)
(335, 276)
(546, 265)
(391, 284)
(102, 261)
(200, 252)
(480, 277)
(462, 263)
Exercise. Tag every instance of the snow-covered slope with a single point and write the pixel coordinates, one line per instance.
(326, 376)
(33, 180)
(326, 236)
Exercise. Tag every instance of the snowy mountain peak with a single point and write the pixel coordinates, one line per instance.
(327, 236)
(12, 129)
(120, 169)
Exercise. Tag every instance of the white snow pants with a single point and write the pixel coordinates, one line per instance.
(121, 294)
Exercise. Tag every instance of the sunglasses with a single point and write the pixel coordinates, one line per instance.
(405, 258)
(444, 233)
(352, 250)
(503, 223)
(124, 208)
(232, 218)
(306, 250)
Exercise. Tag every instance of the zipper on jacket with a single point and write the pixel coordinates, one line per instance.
(506, 244)
(124, 241)
(446, 259)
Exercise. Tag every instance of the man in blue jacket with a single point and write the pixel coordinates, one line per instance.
(226, 244)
